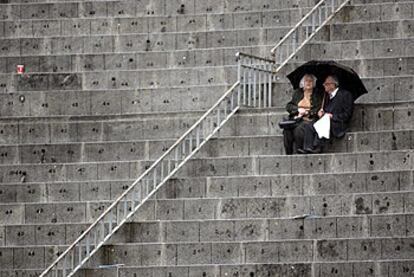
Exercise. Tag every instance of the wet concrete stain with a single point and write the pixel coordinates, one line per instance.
(361, 208)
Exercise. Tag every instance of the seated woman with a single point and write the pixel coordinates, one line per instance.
(305, 104)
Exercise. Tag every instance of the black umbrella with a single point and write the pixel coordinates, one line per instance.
(348, 78)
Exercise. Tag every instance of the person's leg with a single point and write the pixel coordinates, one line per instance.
(309, 135)
(299, 134)
(314, 145)
(288, 141)
(317, 142)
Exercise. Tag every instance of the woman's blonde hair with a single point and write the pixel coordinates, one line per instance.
(302, 81)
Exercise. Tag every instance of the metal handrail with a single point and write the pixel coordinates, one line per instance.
(258, 69)
(320, 10)
(253, 87)
(147, 171)
(297, 25)
(221, 112)
(241, 54)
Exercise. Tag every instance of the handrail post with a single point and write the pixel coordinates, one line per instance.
(244, 87)
(269, 98)
(259, 98)
(255, 72)
(238, 77)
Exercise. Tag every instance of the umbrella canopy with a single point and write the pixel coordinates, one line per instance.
(348, 78)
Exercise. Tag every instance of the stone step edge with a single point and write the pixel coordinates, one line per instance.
(217, 177)
(149, 16)
(244, 111)
(185, 68)
(167, 221)
(152, 115)
(214, 67)
(221, 48)
(174, 15)
(219, 267)
(222, 86)
(259, 264)
(279, 81)
(220, 199)
(221, 242)
(16, 3)
(163, 16)
(320, 155)
(213, 139)
(240, 241)
(329, 25)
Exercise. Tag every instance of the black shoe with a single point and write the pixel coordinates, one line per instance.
(315, 150)
(301, 151)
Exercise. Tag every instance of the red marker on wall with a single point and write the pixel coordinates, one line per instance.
(20, 69)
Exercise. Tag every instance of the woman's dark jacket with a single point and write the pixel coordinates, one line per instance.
(316, 102)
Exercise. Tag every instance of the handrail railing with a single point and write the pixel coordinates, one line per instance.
(255, 75)
(253, 88)
(305, 30)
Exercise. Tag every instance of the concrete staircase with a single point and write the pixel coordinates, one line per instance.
(110, 85)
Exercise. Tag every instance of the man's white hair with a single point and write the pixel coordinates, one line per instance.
(302, 81)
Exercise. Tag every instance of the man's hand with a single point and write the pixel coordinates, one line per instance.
(321, 113)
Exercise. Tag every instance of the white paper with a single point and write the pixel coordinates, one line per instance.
(323, 126)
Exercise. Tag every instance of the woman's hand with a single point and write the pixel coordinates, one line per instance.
(302, 112)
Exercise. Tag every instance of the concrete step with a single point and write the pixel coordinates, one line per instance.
(356, 49)
(178, 77)
(371, 10)
(126, 61)
(115, 79)
(283, 185)
(215, 187)
(249, 122)
(154, 24)
(238, 230)
(75, 26)
(197, 40)
(211, 166)
(184, 99)
(368, 68)
(112, 102)
(227, 253)
(138, 42)
(94, 9)
(216, 208)
(200, 5)
(261, 252)
(351, 269)
(129, 9)
(353, 142)
(379, 268)
(336, 50)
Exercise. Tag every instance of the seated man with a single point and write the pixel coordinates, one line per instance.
(338, 106)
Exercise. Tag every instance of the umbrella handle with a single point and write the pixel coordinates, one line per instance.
(323, 100)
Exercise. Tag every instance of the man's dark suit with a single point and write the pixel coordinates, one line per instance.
(341, 107)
